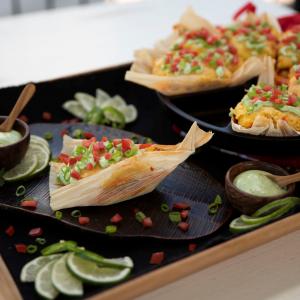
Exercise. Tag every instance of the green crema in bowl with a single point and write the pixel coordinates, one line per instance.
(257, 183)
(10, 137)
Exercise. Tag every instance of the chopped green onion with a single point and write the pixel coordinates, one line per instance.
(111, 229)
(76, 213)
(218, 200)
(164, 207)
(48, 136)
(140, 216)
(21, 190)
(40, 241)
(213, 208)
(77, 133)
(58, 215)
(174, 216)
(31, 249)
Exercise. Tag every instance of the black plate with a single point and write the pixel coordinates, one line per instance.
(211, 111)
(188, 183)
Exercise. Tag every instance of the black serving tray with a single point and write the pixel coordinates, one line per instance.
(153, 122)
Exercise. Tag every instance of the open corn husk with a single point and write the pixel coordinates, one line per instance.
(141, 70)
(263, 125)
(126, 179)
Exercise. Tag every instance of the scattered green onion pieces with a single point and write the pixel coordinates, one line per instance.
(140, 216)
(215, 205)
(174, 216)
(164, 207)
(58, 215)
(111, 229)
(40, 241)
(76, 213)
(21, 190)
(77, 133)
(31, 249)
(48, 136)
(218, 200)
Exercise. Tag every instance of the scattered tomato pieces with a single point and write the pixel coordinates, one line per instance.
(24, 118)
(83, 220)
(147, 222)
(143, 146)
(35, 232)
(75, 174)
(184, 226)
(21, 248)
(184, 214)
(181, 206)
(88, 135)
(47, 116)
(29, 203)
(116, 219)
(10, 230)
(157, 258)
(63, 132)
(192, 247)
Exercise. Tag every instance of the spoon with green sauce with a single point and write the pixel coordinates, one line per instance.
(283, 181)
(22, 101)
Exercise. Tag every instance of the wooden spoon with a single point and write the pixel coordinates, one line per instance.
(22, 101)
(285, 180)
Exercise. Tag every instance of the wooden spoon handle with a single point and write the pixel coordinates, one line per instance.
(286, 180)
(22, 101)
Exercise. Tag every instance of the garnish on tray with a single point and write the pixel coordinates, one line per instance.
(92, 173)
(101, 109)
(64, 267)
(266, 214)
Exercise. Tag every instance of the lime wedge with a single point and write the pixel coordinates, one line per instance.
(42, 155)
(23, 169)
(90, 272)
(39, 140)
(75, 108)
(31, 269)
(63, 280)
(101, 96)
(86, 101)
(129, 112)
(116, 102)
(43, 284)
(114, 115)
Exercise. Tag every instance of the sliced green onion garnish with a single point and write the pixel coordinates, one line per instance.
(174, 216)
(140, 216)
(218, 200)
(164, 207)
(48, 135)
(111, 229)
(213, 208)
(20, 191)
(58, 215)
(76, 213)
(31, 249)
(40, 241)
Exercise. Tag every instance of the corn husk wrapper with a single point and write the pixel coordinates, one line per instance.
(127, 179)
(263, 125)
(141, 70)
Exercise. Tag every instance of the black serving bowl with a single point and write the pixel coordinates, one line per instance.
(12, 154)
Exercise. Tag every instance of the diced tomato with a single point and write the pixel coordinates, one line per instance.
(289, 39)
(219, 62)
(267, 88)
(63, 132)
(89, 166)
(248, 7)
(143, 146)
(271, 37)
(211, 39)
(30, 203)
(184, 214)
(277, 101)
(36, 232)
(21, 248)
(83, 220)
(232, 49)
(47, 116)
(88, 135)
(72, 160)
(79, 157)
(184, 226)
(116, 219)
(87, 143)
(220, 51)
(181, 206)
(75, 174)
(157, 258)
(292, 99)
(203, 32)
(62, 157)
(192, 247)
(265, 30)
(126, 145)
(174, 68)
(98, 146)
(147, 222)
(24, 118)
(108, 156)
(104, 139)
(116, 142)
(235, 60)
(263, 98)
(10, 230)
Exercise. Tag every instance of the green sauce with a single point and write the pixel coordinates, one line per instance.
(255, 182)
(11, 137)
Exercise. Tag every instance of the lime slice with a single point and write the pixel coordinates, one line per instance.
(86, 101)
(101, 96)
(42, 155)
(114, 115)
(43, 284)
(129, 112)
(74, 108)
(90, 272)
(45, 148)
(238, 226)
(39, 140)
(31, 269)
(23, 169)
(116, 102)
(63, 280)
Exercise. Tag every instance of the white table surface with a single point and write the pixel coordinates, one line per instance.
(47, 45)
